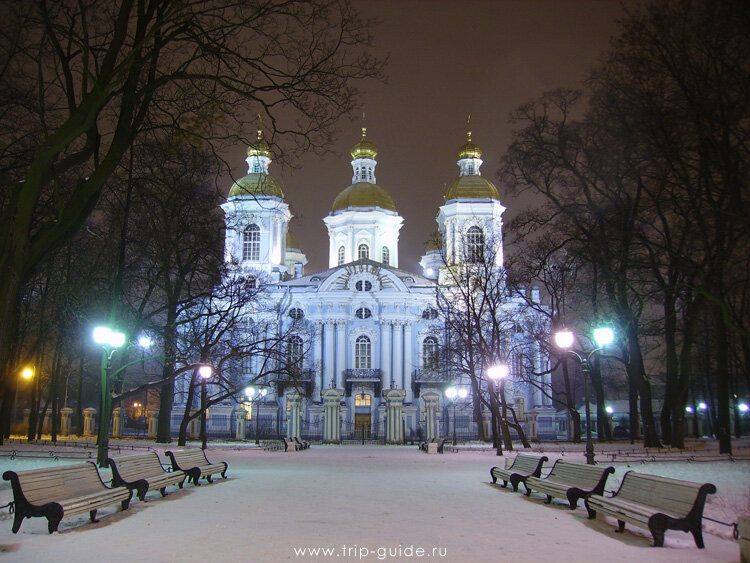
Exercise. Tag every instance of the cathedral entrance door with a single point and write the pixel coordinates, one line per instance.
(362, 426)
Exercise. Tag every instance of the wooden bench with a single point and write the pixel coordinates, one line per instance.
(143, 472)
(302, 445)
(289, 445)
(523, 466)
(656, 503)
(425, 445)
(196, 465)
(55, 492)
(570, 480)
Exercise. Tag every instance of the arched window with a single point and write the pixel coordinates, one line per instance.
(341, 255)
(386, 256)
(363, 313)
(474, 245)
(295, 351)
(363, 251)
(430, 353)
(362, 400)
(362, 355)
(251, 243)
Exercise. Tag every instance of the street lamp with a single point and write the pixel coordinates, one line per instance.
(453, 394)
(205, 372)
(253, 395)
(110, 340)
(497, 375)
(564, 339)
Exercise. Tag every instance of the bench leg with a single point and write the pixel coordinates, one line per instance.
(514, 481)
(163, 491)
(142, 490)
(657, 527)
(494, 479)
(92, 515)
(549, 499)
(698, 536)
(209, 479)
(224, 473)
(18, 520)
(124, 504)
(591, 511)
(528, 490)
(620, 526)
(573, 496)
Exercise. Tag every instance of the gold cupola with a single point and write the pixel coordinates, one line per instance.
(364, 148)
(257, 182)
(470, 184)
(259, 147)
(469, 149)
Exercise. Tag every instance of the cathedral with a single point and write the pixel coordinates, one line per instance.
(365, 332)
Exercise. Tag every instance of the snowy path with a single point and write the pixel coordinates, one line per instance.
(350, 499)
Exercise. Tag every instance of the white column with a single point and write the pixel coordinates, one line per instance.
(385, 353)
(328, 366)
(317, 344)
(351, 244)
(408, 361)
(340, 353)
(398, 355)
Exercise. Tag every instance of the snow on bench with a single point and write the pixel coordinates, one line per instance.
(143, 472)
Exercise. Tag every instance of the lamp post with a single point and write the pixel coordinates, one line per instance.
(110, 340)
(205, 372)
(453, 394)
(253, 395)
(564, 339)
(496, 375)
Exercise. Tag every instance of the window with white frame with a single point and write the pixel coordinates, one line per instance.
(363, 251)
(386, 256)
(251, 243)
(341, 255)
(474, 245)
(430, 353)
(362, 353)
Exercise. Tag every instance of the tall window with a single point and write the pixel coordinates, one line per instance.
(386, 256)
(430, 353)
(474, 245)
(362, 355)
(363, 251)
(341, 255)
(362, 400)
(251, 243)
(295, 351)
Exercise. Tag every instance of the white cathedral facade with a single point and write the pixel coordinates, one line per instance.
(371, 331)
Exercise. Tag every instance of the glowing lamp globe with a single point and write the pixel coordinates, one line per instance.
(249, 392)
(451, 392)
(564, 338)
(499, 371)
(609, 410)
(743, 407)
(603, 336)
(205, 371)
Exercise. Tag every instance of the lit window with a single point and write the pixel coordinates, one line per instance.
(362, 358)
(363, 251)
(341, 255)
(296, 313)
(363, 313)
(362, 400)
(430, 353)
(386, 256)
(251, 243)
(474, 245)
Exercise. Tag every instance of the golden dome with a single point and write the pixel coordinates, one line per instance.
(291, 240)
(260, 147)
(471, 187)
(363, 194)
(256, 184)
(364, 149)
(469, 149)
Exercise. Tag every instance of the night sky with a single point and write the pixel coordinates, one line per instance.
(447, 59)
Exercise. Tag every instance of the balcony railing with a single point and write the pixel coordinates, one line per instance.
(363, 374)
(429, 375)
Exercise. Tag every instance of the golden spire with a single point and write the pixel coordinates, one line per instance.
(469, 149)
(364, 148)
(260, 147)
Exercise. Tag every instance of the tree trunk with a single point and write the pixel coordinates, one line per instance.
(637, 373)
(668, 411)
(723, 431)
(182, 439)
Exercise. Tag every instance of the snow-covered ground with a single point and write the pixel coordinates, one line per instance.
(368, 503)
